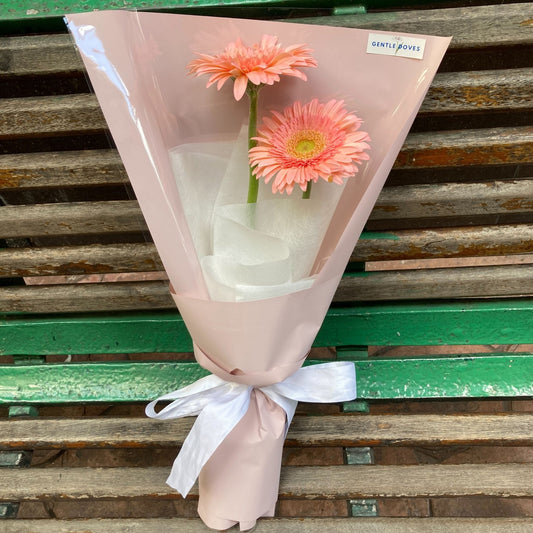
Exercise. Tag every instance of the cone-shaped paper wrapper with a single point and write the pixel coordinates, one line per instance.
(137, 63)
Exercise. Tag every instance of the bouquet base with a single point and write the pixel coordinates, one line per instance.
(240, 482)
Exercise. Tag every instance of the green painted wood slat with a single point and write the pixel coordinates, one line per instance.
(506, 321)
(484, 376)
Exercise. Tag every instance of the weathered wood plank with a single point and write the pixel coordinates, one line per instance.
(441, 283)
(328, 482)
(278, 525)
(457, 92)
(87, 297)
(494, 146)
(454, 199)
(421, 150)
(476, 241)
(399, 245)
(471, 27)
(50, 115)
(74, 260)
(38, 55)
(83, 218)
(61, 169)
(347, 430)
(449, 92)
(432, 202)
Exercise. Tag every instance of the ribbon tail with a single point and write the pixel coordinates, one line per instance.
(188, 401)
(212, 426)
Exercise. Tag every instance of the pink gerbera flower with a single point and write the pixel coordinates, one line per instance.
(261, 63)
(308, 142)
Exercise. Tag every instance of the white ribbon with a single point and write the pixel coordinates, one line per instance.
(220, 405)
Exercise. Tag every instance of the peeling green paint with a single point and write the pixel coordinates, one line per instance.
(372, 235)
(475, 376)
(19, 16)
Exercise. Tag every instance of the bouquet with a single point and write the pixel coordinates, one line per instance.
(255, 189)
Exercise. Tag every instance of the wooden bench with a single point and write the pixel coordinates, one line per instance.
(448, 268)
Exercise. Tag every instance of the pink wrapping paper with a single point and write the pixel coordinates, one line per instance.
(137, 65)
(229, 488)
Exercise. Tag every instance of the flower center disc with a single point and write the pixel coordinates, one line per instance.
(306, 144)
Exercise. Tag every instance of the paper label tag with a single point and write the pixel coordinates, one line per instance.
(395, 45)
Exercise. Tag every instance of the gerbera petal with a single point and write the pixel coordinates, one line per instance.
(239, 87)
(261, 63)
(308, 142)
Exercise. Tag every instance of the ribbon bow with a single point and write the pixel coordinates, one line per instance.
(221, 404)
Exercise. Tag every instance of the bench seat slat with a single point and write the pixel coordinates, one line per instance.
(50, 115)
(454, 199)
(491, 146)
(446, 242)
(449, 93)
(440, 283)
(398, 245)
(459, 92)
(433, 204)
(279, 525)
(443, 283)
(328, 482)
(61, 169)
(84, 218)
(377, 379)
(347, 430)
(494, 146)
(382, 324)
(39, 55)
(472, 27)
(72, 260)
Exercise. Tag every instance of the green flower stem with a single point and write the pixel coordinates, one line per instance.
(253, 184)
(307, 193)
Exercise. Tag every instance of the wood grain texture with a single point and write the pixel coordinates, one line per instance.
(328, 482)
(457, 92)
(277, 525)
(454, 199)
(494, 146)
(61, 169)
(346, 430)
(81, 218)
(32, 55)
(477, 241)
(491, 146)
(449, 93)
(87, 297)
(439, 283)
(429, 202)
(76, 260)
(50, 115)
(471, 27)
